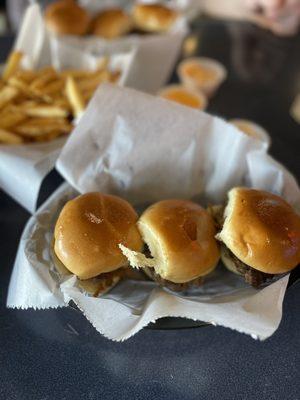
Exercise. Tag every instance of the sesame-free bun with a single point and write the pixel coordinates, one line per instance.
(262, 230)
(153, 17)
(89, 230)
(66, 17)
(111, 23)
(180, 236)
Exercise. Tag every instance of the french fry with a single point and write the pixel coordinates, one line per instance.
(43, 79)
(89, 84)
(9, 137)
(25, 89)
(27, 104)
(11, 118)
(103, 63)
(26, 75)
(75, 73)
(12, 64)
(59, 101)
(87, 95)
(46, 69)
(54, 87)
(74, 96)
(47, 137)
(7, 94)
(35, 105)
(42, 126)
(115, 76)
(43, 111)
(19, 84)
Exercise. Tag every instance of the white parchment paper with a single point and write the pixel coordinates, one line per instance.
(145, 148)
(23, 167)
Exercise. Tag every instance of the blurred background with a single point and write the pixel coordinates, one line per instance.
(279, 16)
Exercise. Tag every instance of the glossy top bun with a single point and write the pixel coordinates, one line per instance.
(180, 237)
(66, 17)
(262, 230)
(89, 230)
(111, 23)
(153, 17)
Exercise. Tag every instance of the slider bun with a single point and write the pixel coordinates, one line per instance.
(112, 23)
(262, 230)
(153, 17)
(89, 230)
(180, 237)
(65, 17)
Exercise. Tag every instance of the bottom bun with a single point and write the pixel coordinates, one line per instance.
(228, 261)
(176, 287)
(102, 284)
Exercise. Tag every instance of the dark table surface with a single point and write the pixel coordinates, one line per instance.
(57, 354)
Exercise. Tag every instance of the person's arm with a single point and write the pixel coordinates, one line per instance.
(280, 16)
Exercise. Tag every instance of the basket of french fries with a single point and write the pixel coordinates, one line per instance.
(38, 105)
(44, 90)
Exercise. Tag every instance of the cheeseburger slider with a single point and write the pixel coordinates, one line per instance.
(260, 235)
(153, 17)
(88, 232)
(111, 23)
(66, 17)
(179, 235)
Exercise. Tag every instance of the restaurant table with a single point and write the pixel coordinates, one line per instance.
(57, 354)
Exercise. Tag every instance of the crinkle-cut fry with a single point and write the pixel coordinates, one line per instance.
(9, 137)
(12, 64)
(11, 118)
(44, 111)
(41, 126)
(44, 79)
(7, 94)
(74, 96)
